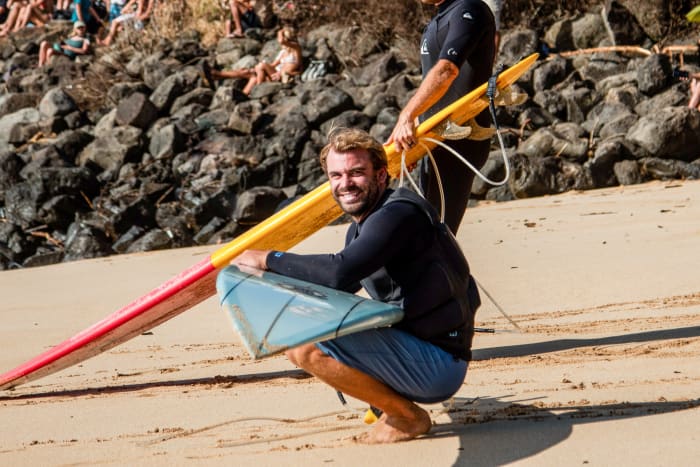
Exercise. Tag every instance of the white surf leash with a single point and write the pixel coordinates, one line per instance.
(404, 171)
(490, 92)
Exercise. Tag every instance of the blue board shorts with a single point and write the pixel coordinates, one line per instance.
(416, 369)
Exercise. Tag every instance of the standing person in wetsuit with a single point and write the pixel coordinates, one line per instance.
(457, 52)
(398, 250)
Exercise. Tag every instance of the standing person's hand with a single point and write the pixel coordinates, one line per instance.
(404, 134)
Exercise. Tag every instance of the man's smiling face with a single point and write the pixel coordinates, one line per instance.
(355, 184)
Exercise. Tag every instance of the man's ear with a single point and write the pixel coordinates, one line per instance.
(382, 175)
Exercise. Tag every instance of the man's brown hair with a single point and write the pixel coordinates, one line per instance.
(342, 139)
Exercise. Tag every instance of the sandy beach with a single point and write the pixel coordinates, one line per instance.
(601, 369)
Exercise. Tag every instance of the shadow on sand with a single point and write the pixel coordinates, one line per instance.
(493, 432)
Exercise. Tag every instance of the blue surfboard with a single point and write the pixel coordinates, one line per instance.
(273, 313)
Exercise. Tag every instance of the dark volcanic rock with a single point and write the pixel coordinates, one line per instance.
(128, 150)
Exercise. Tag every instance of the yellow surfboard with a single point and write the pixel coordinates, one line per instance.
(197, 283)
(317, 209)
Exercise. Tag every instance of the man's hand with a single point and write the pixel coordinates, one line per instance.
(252, 258)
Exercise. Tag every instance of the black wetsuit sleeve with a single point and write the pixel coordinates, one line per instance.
(384, 236)
(465, 30)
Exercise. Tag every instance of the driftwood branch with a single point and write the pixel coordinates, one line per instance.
(633, 49)
(629, 49)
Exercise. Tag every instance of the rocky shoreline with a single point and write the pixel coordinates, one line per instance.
(128, 150)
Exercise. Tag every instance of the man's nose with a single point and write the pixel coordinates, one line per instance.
(346, 181)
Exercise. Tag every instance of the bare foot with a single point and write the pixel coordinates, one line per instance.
(394, 429)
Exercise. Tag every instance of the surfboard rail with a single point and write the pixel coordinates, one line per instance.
(280, 231)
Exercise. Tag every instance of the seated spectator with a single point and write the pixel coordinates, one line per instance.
(243, 17)
(694, 102)
(76, 44)
(287, 64)
(694, 78)
(14, 8)
(36, 12)
(134, 13)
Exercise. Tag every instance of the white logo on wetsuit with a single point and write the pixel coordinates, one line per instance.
(424, 47)
(451, 51)
(467, 15)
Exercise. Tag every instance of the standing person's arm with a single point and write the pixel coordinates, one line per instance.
(79, 11)
(94, 14)
(433, 87)
(462, 39)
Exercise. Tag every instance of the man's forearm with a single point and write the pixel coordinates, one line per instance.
(433, 87)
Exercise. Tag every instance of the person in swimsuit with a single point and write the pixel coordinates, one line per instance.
(457, 53)
(288, 63)
(76, 44)
(401, 254)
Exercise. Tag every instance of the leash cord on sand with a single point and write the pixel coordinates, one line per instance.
(183, 434)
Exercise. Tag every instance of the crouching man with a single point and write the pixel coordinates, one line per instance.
(397, 249)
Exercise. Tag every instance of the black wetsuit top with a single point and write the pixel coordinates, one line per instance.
(397, 254)
(462, 32)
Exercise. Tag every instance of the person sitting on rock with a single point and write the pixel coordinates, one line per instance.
(14, 8)
(694, 102)
(134, 13)
(36, 12)
(287, 64)
(76, 44)
(243, 17)
(694, 78)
